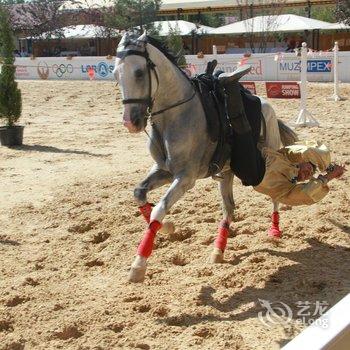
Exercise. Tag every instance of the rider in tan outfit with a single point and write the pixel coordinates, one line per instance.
(289, 173)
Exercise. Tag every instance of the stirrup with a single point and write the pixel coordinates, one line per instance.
(234, 76)
(211, 67)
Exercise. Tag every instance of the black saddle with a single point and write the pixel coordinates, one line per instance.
(219, 128)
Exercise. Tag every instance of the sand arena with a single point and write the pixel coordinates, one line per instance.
(69, 232)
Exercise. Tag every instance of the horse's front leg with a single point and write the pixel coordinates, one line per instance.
(228, 206)
(155, 178)
(182, 183)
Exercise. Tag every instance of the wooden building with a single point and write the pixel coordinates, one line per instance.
(176, 9)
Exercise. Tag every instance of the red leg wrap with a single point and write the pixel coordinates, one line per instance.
(275, 230)
(146, 245)
(146, 211)
(221, 239)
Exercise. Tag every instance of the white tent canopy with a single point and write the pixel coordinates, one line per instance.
(94, 31)
(339, 26)
(184, 27)
(80, 32)
(281, 23)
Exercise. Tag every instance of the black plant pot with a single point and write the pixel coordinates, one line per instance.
(11, 135)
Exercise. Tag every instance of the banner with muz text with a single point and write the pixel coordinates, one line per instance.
(264, 67)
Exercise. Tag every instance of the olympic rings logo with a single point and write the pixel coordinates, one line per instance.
(62, 69)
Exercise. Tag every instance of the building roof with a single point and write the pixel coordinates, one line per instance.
(193, 6)
(79, 32)
(183, 6)
(338, 26)
(281, 23)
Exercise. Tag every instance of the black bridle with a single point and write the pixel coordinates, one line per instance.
(149, 101)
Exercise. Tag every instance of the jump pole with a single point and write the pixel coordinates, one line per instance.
(304, 117)
(330, 332)
(335, 96)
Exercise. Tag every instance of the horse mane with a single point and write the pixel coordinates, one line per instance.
(163, 48)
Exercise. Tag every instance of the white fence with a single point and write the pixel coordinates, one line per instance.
(61, 68)
(265, 67)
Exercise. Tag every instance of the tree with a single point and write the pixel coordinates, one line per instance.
(322, 12)
(207, 19)
(37, 16)
(342, 11)
(129, 14)
(270, 13)
(10, 95)
(11, 2)
(175, 44)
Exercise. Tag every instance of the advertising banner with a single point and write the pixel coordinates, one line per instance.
(60, 68)
(265, 67)
(277, 89)
(318, 69)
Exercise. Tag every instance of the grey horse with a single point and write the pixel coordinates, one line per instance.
(153, 88)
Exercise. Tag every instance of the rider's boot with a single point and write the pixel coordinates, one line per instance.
(246, 161)
(235, 108)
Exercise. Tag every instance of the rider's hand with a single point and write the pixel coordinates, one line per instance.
(337, 171)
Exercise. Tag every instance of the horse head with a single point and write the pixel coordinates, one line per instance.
(133, 73)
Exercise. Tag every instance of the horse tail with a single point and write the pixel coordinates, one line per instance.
(288, 136)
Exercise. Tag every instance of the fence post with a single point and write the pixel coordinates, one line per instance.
(335, 96)
(304, 117)
(215, 51)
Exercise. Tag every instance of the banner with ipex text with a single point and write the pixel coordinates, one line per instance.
(60, 68)
(265, 67)
(318, 68)
(279, 67)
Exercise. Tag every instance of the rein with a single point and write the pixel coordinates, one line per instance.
(149, 101)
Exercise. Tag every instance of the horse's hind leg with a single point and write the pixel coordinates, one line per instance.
(275, 231)
(180, 185)
(228, 206)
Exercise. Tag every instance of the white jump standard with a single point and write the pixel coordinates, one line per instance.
(304, 118)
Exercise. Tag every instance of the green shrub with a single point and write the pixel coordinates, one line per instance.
(10, 95)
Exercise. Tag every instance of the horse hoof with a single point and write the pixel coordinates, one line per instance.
(138, 270)
(217, 256)
(274, 233)
(137, 275)
(168, 228)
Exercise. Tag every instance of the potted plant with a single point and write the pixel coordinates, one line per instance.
(10, 95)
